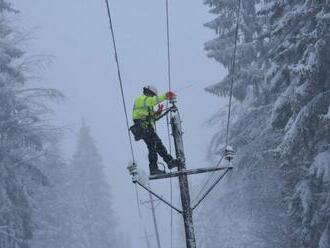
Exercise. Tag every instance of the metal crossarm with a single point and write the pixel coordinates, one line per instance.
(187, 172)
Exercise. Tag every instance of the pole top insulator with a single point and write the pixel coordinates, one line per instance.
(133, 171)
(229, 153)
(137, 174)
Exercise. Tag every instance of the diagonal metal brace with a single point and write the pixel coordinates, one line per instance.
(212, 187)
(159, 197)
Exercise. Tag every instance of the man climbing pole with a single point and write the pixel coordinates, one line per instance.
(145, 117)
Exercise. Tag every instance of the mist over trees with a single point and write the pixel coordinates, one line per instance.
(45, 201)
(278, 195)
(24, 136)
(94, 224)
(75, 211)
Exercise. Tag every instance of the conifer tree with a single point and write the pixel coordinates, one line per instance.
(23, 136)
(300, 84)
(279, 194)
(93, 217)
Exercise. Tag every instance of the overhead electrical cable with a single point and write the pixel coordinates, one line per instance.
(169, 88)
(126, 116)
(233, 71)
(169, 76)
(120, 79)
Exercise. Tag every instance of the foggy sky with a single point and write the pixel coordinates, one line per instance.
(76, 34)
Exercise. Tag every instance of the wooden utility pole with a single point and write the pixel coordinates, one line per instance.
(154, 219)
(183, 181)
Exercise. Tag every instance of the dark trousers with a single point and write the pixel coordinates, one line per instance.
(155, 146)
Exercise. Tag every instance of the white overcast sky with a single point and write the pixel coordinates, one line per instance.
(76, 34)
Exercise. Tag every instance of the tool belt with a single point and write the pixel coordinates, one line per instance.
(139, 128)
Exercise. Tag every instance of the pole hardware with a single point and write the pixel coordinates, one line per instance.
(229, 153)
(132, 168)
(188, 172)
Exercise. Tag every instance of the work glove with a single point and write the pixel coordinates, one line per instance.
(170, 95)
(160, 109)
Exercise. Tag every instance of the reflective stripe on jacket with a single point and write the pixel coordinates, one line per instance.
(144, 107)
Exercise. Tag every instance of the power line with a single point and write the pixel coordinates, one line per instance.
(126, 115)
(120, 79)
(233, 70)
(184, 185)
(167, 117)
(168, 46)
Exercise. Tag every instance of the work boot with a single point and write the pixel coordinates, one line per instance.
(173, 163)
(156, 171)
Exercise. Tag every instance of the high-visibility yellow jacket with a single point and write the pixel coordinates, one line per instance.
(144, 107)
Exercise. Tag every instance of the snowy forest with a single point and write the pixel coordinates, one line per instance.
(57, 184)
(46, 200)
(279, 194)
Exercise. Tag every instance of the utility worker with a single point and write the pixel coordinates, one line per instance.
(144, 117)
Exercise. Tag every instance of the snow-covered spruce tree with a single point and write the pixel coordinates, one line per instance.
(23, 134)
(300, 84)
(279, 194)
(93, 219)
(248, 204)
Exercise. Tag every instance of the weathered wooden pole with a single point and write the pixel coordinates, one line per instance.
(183, 181)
